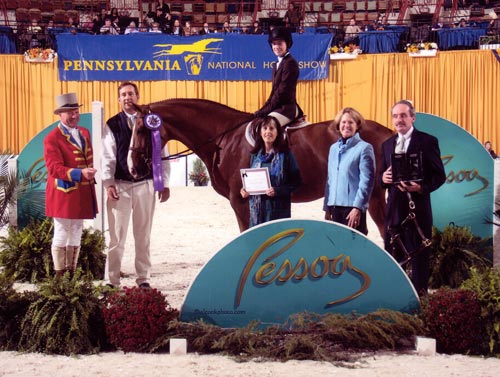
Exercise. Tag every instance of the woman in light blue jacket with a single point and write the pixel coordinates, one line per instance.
(351, 173)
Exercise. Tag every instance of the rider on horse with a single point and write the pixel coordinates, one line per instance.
(282, 102)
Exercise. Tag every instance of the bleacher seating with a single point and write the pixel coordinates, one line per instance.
(332, 14)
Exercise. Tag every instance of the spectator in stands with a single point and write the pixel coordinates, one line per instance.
(132, 28)
(351, 33)
(165, 8)
(439, 25)
(123, 20)
(256, 28)
(292, 17)
(34, 34)
(155, 28)
(114, 13)
(163, 19)
(245, 29)
(71, 23)
(226, 29)
(476, 9)
(115, 21)
(98, 23)
(372, 26)
(188, 29)
(34, 27)
(104, 14)
(494, 24)
(177, 28)
(49, 38)
(87, 24)
(462, 23)
(108, 27)
(382, 24)
(301, 29)
(205, 29)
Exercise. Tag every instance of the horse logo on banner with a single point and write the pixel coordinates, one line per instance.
(197, 47)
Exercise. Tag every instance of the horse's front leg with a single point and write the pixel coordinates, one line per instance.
(240, 207)
(376, 208)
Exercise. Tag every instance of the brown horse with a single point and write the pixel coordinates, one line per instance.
(216, 133)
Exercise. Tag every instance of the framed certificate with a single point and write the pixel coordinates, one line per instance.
(255, 181)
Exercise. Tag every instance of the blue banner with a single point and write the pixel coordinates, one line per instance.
(213, 57)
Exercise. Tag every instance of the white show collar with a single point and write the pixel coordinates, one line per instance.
(73, 131)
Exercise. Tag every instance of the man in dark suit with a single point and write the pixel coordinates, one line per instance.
(409, 140)
(282, 102)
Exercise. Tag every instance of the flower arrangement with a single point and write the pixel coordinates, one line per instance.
(341, 53)
(40, 55)
(199, 175)
(422, 49)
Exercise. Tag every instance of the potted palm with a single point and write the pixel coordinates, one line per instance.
(199, 174)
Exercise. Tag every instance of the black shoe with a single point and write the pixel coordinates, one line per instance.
(144, 286)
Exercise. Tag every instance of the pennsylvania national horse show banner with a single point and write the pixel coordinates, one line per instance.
(212, 57)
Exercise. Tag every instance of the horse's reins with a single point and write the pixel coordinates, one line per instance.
(142, 151)
(190, 150)
(395, 238)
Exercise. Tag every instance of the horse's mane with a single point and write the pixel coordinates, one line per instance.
(211, 106)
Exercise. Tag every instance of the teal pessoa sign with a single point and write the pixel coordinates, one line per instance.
(30, 164)
(290, 266)
(467, 197)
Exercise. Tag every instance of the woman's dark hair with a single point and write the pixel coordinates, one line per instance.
(279, 145)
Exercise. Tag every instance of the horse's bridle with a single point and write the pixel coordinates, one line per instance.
(143, 153)
(187, 151)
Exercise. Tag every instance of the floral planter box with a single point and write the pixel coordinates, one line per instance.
(490, 47)
(38, 55)
(39, 60)
(343, 56)
(423, 54)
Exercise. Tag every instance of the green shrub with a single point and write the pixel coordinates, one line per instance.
(65, 319)
(92, 258)
(136, 318)
(486, 286)
(13, 307)
(26, 254)
(452, 317)
(454, 252)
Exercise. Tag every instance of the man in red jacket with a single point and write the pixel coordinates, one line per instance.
(70, 191)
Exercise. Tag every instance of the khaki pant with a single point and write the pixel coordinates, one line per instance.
(137, 200)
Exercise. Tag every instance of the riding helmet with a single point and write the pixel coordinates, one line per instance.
(283, 34)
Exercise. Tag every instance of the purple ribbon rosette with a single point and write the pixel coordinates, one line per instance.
(153, 122)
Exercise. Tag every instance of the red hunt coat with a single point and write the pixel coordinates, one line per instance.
(68, 194)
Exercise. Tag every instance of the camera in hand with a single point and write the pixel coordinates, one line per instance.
(407, 167)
